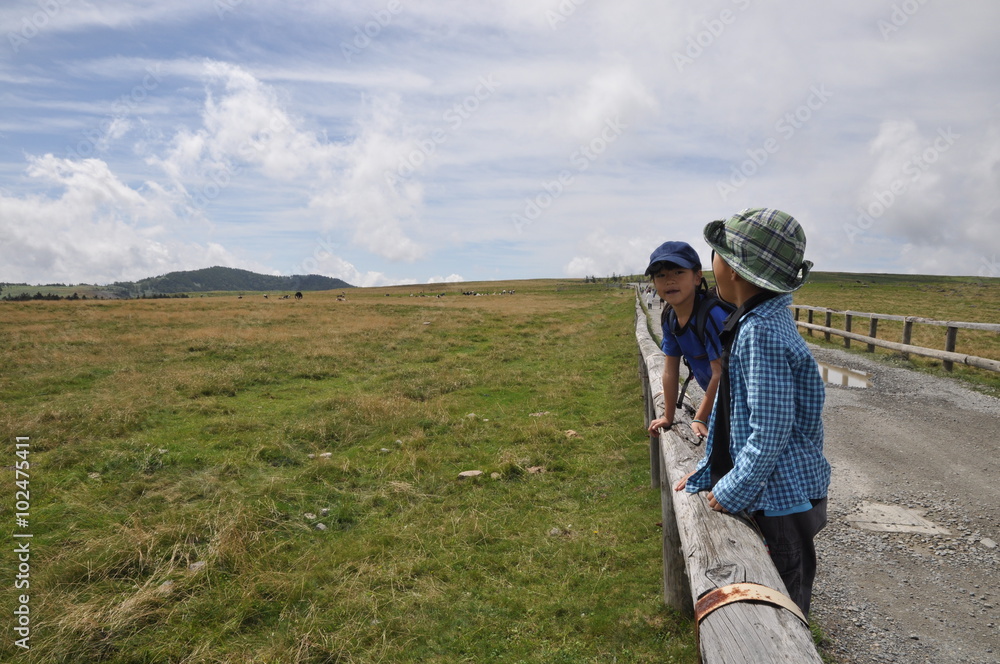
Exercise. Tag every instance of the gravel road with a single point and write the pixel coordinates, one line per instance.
(929, 445)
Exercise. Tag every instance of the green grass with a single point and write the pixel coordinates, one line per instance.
(178, 447)
(966, 299)
(205, 432)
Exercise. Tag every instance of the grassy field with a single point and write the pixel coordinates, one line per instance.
(184, 452)
(967, 299)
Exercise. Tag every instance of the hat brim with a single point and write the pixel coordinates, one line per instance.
(715, 236)
(678, 263)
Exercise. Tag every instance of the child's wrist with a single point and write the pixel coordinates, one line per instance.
(700, 422)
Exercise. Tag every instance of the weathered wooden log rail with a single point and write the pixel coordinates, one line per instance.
(704, 550)
(948, 356)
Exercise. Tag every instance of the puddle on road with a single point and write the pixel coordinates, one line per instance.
(843, 376)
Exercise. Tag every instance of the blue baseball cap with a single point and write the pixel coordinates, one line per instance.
(681, 254)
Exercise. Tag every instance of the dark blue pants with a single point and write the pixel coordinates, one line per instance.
(789, 540)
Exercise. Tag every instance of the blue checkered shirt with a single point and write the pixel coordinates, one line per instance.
(776, 425)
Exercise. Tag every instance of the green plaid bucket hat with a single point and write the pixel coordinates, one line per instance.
(764, 246)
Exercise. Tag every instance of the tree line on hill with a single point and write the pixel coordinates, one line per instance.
(174, 284)
(26, 297)
(230, 279)
(613, 279)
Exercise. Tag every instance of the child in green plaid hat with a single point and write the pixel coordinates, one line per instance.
(764, 454)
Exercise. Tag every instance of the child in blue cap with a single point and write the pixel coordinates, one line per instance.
(676, 272)
(764, 454)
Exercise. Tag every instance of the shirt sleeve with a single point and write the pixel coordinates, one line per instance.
(769, 385)
(670, 346)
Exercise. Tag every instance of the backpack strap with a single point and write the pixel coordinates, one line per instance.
(703, 315)
(701, 321)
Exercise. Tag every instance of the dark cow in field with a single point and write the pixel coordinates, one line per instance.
(298, 295)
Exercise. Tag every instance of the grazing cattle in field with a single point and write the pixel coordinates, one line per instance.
(265, 297)
(298, 295)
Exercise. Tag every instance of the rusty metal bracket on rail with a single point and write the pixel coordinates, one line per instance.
(745, 592)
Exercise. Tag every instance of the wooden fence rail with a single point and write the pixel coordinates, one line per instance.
(704, 550)
(948, 356)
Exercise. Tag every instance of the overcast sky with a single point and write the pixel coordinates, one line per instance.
(405, 141)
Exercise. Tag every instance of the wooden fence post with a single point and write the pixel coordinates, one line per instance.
(948, 357)
(676, 589)
(828, 320)
(810, 320)
(872, 332)
(949, 345)
(654, 440)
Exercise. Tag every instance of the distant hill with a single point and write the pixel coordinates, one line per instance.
(229, 279)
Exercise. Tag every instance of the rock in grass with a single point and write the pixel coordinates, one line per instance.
(320, 526)
(470, 473)
(310, 516)
(195, 566)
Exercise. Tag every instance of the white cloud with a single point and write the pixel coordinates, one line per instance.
(602, 254)
(613, 91)
(246, 133)
(450, 279)
(97, 229)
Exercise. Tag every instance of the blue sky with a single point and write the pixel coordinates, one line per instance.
(413, 142)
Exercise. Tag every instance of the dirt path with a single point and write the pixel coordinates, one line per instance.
(929, 445)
